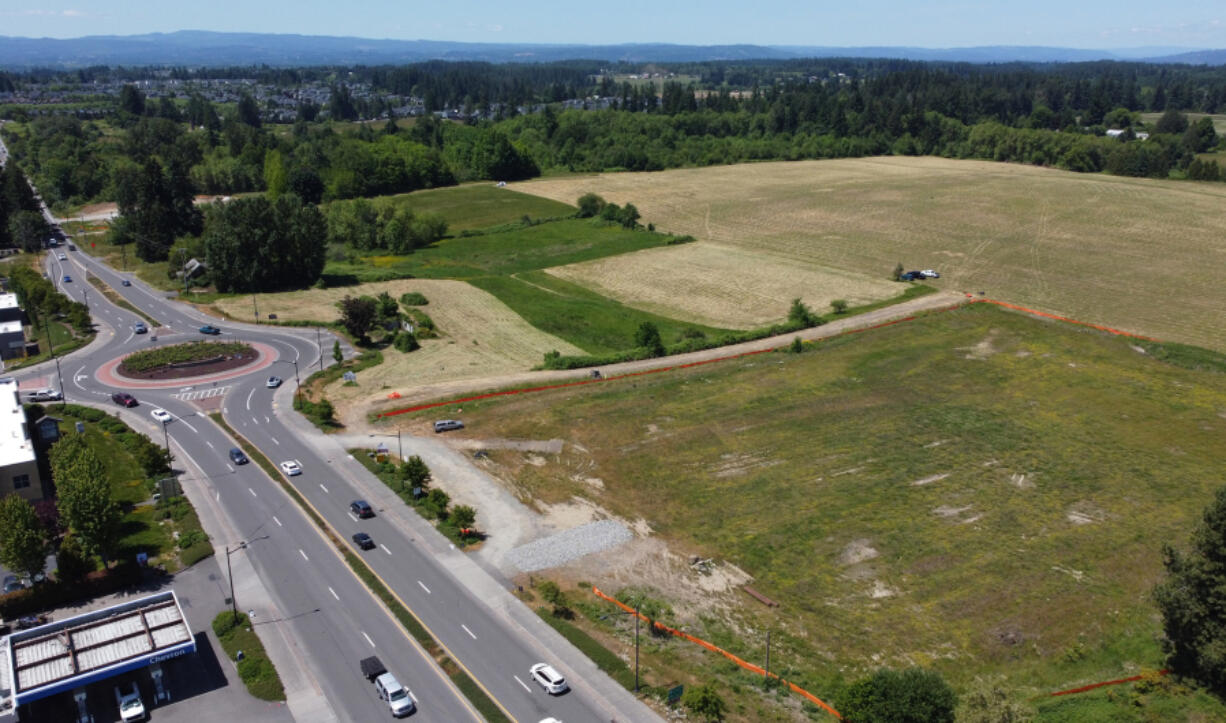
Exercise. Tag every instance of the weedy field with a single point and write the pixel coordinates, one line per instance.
(480, 205)
(978, 491)
(1136, 254)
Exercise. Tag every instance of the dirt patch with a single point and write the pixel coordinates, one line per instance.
(857, 551)
(929, 479)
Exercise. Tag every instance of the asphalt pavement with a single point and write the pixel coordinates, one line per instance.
(327, 617)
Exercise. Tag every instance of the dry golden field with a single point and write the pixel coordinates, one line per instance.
(480, 335)
(1139, 254)
(721, 285)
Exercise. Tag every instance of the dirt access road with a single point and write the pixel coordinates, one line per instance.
(355, 418)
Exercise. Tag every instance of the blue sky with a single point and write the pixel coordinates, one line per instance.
(1081, 23)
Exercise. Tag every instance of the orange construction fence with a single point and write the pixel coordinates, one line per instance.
(715, 649)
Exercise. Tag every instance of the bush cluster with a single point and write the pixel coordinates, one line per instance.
(58, 593)
(148, 359)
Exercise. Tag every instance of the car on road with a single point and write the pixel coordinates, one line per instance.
(62, 257)
(549, 678)
(930, 274)
(396, 695)
(237, 456)
(139, 328)
(363, 541)
(445, 424)
(362, 509)
(273, 382)
(161, 415)
(45, 395)
(210, 329)
(291, 468)
(67, 279)
(124, 399)
(125, 282)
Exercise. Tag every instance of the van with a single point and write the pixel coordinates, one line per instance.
(445, 424)
(396, 695)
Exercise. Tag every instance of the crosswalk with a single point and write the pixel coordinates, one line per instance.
(188, 394)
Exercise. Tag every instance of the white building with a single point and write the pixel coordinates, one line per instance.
(18, 463)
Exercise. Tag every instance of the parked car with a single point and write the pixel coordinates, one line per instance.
(361, 508)
(273, 382)
(930, 274)
(445, 424)
(237, 456)
(161, 415)
(291, 468)
(396, 695)
(910, 276)
(130, 706)
(124, 399)
(12, 584)
(139, 328)
(549, 678)
(125, 282)
(210, 329)
(363, 541)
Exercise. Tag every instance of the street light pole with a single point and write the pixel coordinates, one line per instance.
(86, 293)
(166, 437)
(636, 650)
(230, 574)
(297, 382)
(47, 326)
(399, 445)
(60, 374)
(320, 346)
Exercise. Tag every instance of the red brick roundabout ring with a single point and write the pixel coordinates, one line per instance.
(108, 373)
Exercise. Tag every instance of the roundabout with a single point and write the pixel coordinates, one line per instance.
(223, 370)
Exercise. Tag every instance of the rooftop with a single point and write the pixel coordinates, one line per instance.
(8, 301)
(15, 446)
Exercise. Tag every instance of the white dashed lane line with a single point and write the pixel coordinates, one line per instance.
(423, 586)
(304, 555)
(517, 680)
(470, 633)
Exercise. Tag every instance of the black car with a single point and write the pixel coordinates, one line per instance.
(910, 276)
(124, 399)
(210, 329)
(237, 456)
(363, 541)
(361, 508)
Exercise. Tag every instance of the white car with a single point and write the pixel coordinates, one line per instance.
(161, 415)
(291, 468)
(549, 678)
(930, 274)
(61, 257)
(130, 706)
(273, 382)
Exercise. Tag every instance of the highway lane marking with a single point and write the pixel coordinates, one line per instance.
(210, 444)
(372, 643)
(229, 467)
(254, 420)
(470, 633)
(385, 548)
(338, 597)
(351, 516)
(249, 395)
(189, 426)
(267, 420)
(423, 587)
(253, 494)
(517, 680)
(325, 489)
(274, 439)
(300, 552)
(274, 519)
(217, 495)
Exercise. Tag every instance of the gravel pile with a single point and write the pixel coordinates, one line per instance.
(569, 545)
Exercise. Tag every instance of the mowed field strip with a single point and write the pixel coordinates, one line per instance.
(721, 285)
(1141, 255)
(480, 335)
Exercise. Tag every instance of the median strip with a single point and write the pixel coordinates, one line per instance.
(476, 694)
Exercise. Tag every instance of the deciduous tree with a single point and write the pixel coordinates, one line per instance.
(909, 696)
(358, 315)
(85, 502)
(704, 701)
(23, 542)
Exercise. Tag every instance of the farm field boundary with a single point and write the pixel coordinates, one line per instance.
(674, 367)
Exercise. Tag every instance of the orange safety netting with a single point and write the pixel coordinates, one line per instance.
(715, 649)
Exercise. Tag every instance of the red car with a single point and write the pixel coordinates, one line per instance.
(124, 399)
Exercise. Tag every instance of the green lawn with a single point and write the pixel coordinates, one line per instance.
(507, 252)
(976, 491)
(479, 205)
(594, 323)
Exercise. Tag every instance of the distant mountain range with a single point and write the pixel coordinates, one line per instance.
(196, 48)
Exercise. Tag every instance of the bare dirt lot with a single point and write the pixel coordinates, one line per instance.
(722, 285)
(1137, 254)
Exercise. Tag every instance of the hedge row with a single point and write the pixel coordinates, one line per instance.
(58, 593)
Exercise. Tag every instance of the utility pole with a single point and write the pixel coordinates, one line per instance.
(636, 650)
(320, 346)
(47, 326)
(60, 374)
(256, 307)
(768, 657)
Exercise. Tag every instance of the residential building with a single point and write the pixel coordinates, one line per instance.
(18, 463)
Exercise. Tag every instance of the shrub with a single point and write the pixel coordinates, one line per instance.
(413, 298)
(406, 342)
(889, 696)
(839, 306)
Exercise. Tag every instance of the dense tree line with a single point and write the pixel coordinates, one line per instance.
(253, 244)
(21, 221)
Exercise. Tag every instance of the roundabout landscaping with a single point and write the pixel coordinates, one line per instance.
(167, 366)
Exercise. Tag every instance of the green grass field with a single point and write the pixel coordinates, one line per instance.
(479, 205)
(977, 491)
(507, 252)
(594, 323)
